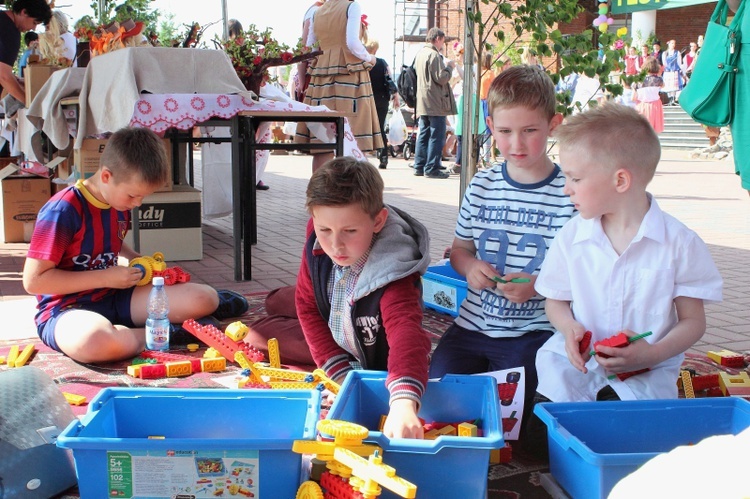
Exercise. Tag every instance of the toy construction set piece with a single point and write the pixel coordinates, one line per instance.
(215, 338)
(170, 365)
(727, 358)
(155, 266)
(349, 474)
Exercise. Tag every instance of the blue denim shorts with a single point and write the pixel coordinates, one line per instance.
(115, 307)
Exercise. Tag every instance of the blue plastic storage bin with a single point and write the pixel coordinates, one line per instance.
(593, 445)
(443, 289)
(165, 443)
(448, 467)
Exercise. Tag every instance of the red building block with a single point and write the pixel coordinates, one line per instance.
(215, 338)
(585, 344)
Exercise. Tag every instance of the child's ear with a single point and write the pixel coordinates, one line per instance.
(488, 120)
(623, 179)
(105, 175)
(380, 219)
(556, 120)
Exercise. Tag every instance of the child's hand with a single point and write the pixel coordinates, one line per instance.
(573, 336)
(632, 357)
(120, 277)
(480, 275)
(517, 292)
(402, 420)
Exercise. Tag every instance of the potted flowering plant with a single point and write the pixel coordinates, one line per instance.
(254, 51)
(84, 31)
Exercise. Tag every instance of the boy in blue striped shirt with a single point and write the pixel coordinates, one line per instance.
(508, 217)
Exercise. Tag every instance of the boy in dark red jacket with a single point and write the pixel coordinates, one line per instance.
(359, 291)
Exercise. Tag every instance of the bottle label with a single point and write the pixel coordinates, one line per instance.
(157, 336)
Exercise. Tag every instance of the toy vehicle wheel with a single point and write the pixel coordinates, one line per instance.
(144, 265)
(407, 152)
(309, 490)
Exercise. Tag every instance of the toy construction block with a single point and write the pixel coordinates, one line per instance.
(24, 356)
(502, 455)
(345, 434)
(12, 356)
(330, 385)
(215, 338)
(148, 265)
(735, 385)
(372, 473)
(237, 331)
(273, 353)
(179, 368)
(213, 365)
(467, 430)
(687, 384)
(2, 359)
(727, 358)
(74, 399)
(585, 344)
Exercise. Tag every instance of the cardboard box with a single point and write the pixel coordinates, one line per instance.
(121, 450)
(22, 198)
(170, 222)
(35, 76)
(86, 159)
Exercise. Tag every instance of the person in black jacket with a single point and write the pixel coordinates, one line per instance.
(383, 87)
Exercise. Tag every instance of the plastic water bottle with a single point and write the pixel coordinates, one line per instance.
(157, 324)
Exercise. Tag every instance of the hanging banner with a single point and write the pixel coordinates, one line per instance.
(624, 6)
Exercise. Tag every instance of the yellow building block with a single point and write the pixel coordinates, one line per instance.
(735, 385)
(24, 357)
(241, 359)
(381, 425)
(331, 386)
(213, 365)
(467, 430)
(2, 359)
(431, 435)
(292, 385)
(134, 370)
(687, 384)
(279, 374)
(212, 353)
(74, 399)
(448, 431)
(237, 330)
(179, 368)
(12, 356)
(273, 353)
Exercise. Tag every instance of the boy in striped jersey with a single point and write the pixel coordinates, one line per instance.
(509, 215)
(89, 306)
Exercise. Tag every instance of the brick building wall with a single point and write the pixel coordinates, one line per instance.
(682, 24)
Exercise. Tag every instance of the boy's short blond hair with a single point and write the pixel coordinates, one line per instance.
(614, 135)
(523, 85)
(343, 181)
(136, 152)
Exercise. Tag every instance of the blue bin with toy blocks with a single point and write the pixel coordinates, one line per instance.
(447, 466)
(443, 289)
(593, 445)
(163, 443)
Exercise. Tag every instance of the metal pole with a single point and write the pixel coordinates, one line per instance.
(225, 18)
(469, 89)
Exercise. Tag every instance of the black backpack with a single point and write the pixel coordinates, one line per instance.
(407, 85)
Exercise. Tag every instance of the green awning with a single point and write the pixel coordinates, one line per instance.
(623, 6)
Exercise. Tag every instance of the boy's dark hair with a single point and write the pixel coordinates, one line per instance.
(523, 85)
(29, 37)
(39, 10)
(630, 138)
(136, 151)
(344, 181)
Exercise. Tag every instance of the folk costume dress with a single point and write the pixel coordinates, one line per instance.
(339, 79)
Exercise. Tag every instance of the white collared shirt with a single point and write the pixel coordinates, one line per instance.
(610, 293)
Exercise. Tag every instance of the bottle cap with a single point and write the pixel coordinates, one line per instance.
(158, 281)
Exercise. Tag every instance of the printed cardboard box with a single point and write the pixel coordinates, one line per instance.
(22, 198)
(170, 222)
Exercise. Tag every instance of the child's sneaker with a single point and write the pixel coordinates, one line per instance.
(231, 305)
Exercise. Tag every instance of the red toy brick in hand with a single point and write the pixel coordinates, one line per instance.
(585, 343)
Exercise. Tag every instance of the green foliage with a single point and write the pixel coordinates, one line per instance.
(138, 10)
